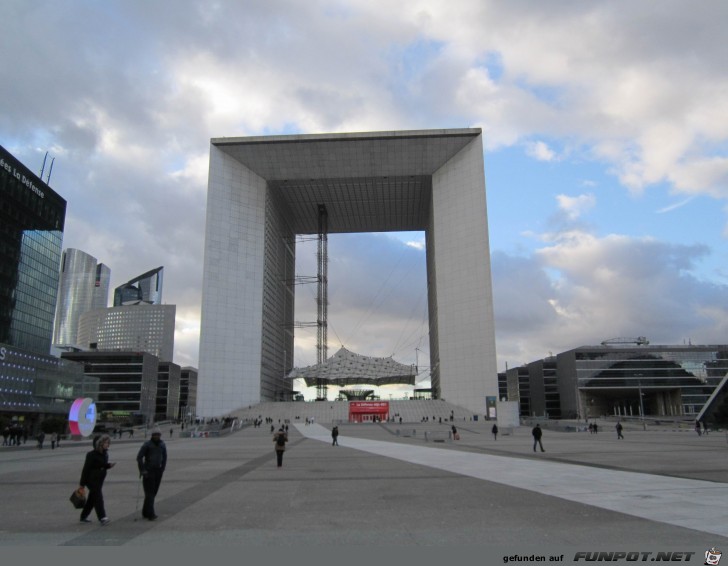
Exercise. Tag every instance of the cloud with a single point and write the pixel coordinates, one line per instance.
(575, 206)
(128, 109)
(540, 150)
(582, 289)
(377, 297)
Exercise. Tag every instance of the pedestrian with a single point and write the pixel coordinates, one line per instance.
(171, 432)
(335, 435)
(494, 430)
(152, 461)
(697, 427)
(280, 438)
(41, 438)
(619, 430)
(537, 433)
(93, 476)
(705, 428)
(53, 440)
(596, 428)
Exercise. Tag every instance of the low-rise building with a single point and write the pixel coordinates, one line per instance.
(127, 381)
(622, 380)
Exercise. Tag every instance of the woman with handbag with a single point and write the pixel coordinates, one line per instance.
(93, 476)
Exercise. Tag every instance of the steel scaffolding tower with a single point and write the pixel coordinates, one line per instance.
(322, 296)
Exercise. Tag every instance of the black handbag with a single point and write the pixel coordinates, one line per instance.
(78, 498)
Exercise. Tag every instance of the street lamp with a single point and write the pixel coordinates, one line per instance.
(642, 405)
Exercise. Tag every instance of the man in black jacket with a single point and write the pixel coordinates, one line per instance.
(537, 433)
(152, 460)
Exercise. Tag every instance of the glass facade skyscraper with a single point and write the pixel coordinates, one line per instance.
(32, 218)
(144, 289)
(84, 286)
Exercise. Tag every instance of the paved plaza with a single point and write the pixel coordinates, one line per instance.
(385, 485)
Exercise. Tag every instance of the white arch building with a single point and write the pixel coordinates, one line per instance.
(264, 190)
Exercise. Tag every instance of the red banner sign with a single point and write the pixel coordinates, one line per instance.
(368, 411)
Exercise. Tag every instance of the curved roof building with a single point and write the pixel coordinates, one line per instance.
(347, 368)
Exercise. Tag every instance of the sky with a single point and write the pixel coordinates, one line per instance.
(605, 130)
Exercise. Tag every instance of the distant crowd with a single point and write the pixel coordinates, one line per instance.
(15, 435)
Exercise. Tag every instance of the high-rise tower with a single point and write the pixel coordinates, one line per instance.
(32, 216)
(84, 286)
(145, 288)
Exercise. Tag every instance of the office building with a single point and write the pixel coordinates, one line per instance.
(188, 394)
(34, 387)
(140, 327)
(127, 382)
(626, 380)
(168, 391)
(263, 191)
(84, 286)
(143, 289)
(32, 218)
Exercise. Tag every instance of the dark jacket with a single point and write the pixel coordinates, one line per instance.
(536, 432)
(152, 456)
(280, 447)
(94, 468)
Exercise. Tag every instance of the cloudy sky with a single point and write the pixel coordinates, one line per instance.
(606, 149)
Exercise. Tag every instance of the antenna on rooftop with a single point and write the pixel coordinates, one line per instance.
(43, 166)
(50, 169)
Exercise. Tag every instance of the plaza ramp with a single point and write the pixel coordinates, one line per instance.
(694, 504)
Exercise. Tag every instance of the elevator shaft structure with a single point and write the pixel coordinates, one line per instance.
(322, 298)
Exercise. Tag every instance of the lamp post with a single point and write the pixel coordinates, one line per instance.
(642, 406)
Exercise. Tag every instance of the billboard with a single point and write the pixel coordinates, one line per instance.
(368, 411)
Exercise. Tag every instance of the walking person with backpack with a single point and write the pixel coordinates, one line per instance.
(280, 438)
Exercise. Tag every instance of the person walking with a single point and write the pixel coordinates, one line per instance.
(494, 430)
(619, 430)
(92, 476)
(152, 461)
(335, 436)
(537, 433)
(280, 438)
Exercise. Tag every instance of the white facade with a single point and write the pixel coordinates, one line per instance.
(83, 286)
(263, 191)
(138, 328)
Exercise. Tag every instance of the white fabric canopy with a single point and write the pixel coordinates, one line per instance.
(347, 368)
